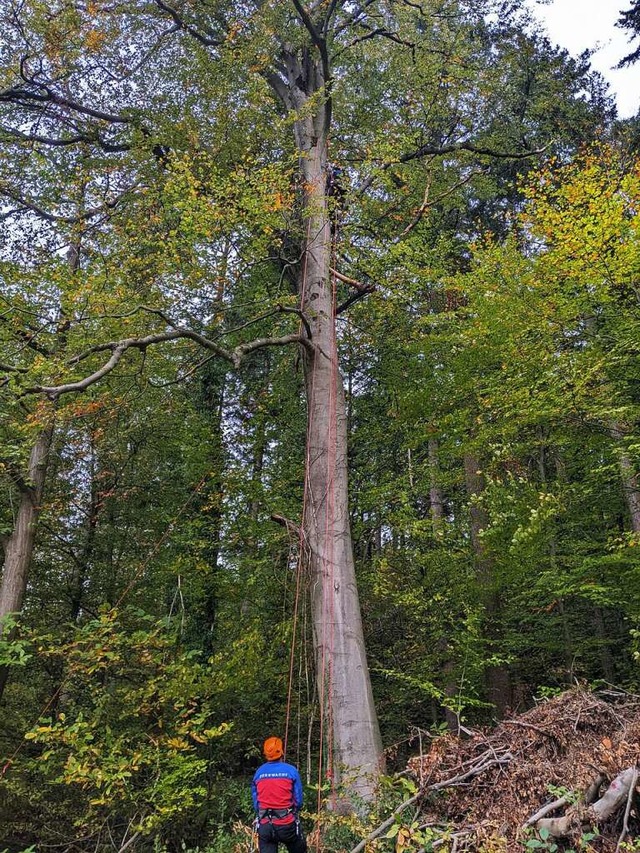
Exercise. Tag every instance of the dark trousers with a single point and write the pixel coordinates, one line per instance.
(289, 834)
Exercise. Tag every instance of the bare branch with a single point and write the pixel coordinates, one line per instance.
(206, 40)
(354, 17)
(244, 349)
(119, 348)
(54, 142)
(544, 811)
(58, 217)
(380, 31)
(480, 766)
(438, 151)
(11, 368)
(306, 19)
(22, 95)
(627, 811)
(287, 524)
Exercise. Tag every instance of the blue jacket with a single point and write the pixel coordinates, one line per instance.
(276, 785)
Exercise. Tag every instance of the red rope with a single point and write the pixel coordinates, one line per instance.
(304, 508)
(332, 454)
(328, 565)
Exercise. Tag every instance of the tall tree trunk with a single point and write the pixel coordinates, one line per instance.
(343, 673)
(18, 547)
(496, 675)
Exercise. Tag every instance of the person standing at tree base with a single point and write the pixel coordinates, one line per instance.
(277, 798)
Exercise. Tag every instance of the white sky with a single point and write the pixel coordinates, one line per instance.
(581, 24)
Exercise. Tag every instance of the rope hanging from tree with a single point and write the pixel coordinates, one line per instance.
(326, 568)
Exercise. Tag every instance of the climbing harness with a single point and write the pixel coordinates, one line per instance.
(277, 813)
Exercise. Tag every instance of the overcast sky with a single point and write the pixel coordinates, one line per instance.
(580, 24)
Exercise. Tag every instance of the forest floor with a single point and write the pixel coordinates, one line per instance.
(566, 751)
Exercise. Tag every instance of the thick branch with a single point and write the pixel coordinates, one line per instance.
(355, 297)
(320, 42)
(288, 525)
(119, 348)
(610, 802)
(352, 282)
(28, 338)
(19, 94)
(544, 811)
(280, 88)
(316, 37)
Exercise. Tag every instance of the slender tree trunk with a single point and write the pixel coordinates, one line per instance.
(82, 560)
(436, 500)
(436, 505)
(604, 645)
(497, 675)
(343, 673)
(630, 477)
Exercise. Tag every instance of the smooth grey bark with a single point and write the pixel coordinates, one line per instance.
(18, 547)
(496, 675)
(82, 561)
(342, 670)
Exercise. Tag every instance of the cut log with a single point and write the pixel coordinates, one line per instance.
(616, 795)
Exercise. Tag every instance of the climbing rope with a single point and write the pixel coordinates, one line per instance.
(299, 566)
(327, 560)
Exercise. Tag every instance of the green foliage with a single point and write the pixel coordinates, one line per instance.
(133, 732)
(503, 332)
(14, 650)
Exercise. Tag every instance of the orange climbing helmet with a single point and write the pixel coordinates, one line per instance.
(272, 748)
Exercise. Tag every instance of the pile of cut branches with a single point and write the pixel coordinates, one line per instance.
(561, 776)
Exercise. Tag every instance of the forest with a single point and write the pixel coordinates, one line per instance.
(319, 419)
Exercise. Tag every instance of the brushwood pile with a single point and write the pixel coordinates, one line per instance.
(488, 784)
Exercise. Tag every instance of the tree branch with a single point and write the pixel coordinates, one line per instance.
(352, 282)
(17, 477)
(58, 217)
(188, 28)
(20, 94)
(438, 151)
(119, 348)
(70, 140)
(479, 767)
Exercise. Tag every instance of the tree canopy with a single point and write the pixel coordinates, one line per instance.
(319, 400)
